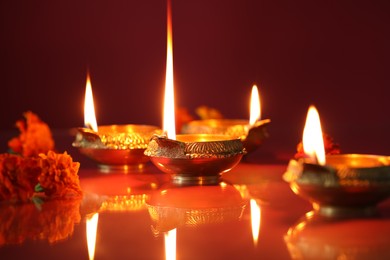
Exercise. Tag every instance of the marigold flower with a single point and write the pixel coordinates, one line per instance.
(35, 136)
(59, 176)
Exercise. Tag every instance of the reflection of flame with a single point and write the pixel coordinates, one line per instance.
(255, 109)
(255, 219)
(313, 142)
(91, 225)
(170, 244)
(89, 108)
(169, 100)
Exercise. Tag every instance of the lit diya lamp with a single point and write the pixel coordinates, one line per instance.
(337, 184)
(191, 158)
(112, 147)
(252, 132)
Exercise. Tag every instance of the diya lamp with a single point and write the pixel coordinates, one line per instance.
(252, 132)
(339, 184)
(189, 158)
(112, 147)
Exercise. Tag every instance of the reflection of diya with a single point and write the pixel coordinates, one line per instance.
(252, 136)
(124, 193)
(116, 146)
(348, 184)
(176, 206)
(318, 237)
(52, 221)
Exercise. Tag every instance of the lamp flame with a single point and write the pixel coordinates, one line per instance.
(91, 225)
(255, 220)
(170, 245)
(313, 141)
(255, 109)
(169, 99)
(89, 108)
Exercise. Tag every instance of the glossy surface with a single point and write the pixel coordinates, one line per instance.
(137, 210)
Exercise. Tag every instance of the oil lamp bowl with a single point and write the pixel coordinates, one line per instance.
(251, 136)
(349, 184)
(196, 158)
(116, 147)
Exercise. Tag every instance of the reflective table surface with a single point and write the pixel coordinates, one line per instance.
(251, 214)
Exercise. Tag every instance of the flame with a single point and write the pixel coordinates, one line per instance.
(92, 223)
(313, 141)
(255, 220)
(255, 109)
(89, 108)
(169, 98)
(170, 244)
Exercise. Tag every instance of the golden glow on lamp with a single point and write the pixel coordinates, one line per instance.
(255, 108)
(169, 98)
(313, 141)
(91, 225)
(89, 108)
(255, 220)
(170, 244)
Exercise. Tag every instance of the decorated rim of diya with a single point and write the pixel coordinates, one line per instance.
(116, 147)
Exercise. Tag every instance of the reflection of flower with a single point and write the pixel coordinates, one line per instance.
(52, 221)
(52, 175)
(35, 136)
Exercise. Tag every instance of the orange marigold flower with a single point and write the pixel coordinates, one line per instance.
(17, 175)
(56, 176)
(59, 178)
(182, 116)
(329, 145)
(35, 136)
(205, 112)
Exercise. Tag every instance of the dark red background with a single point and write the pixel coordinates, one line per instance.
(334, 54)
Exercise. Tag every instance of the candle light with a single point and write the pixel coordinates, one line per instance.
(89, 107)
(313, 142)
(255, 108)
(169, 97)
(190, 158)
